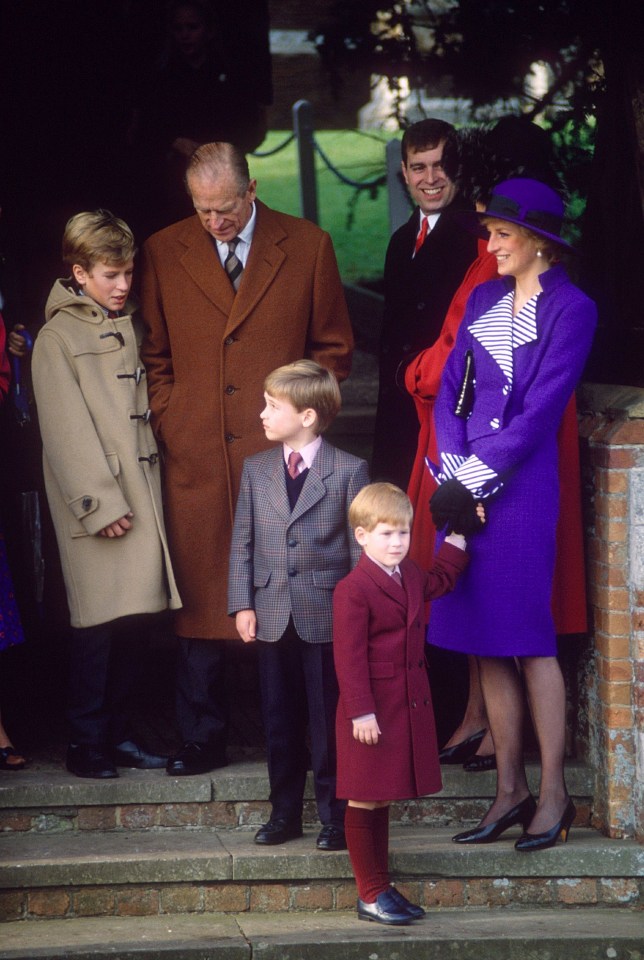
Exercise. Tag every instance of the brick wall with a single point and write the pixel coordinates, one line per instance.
(612, 432)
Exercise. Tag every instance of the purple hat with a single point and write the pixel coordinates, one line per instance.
(528, 203)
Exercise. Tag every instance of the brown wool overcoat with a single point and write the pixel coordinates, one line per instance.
(207, 352)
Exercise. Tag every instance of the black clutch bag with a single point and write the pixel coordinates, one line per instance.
(465, 399)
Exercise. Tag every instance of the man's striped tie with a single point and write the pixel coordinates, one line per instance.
(233, 265)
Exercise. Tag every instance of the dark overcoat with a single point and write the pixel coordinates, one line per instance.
(207, 352)
(418, 291)
(379, 650)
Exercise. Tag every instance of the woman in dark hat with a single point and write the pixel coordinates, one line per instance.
(518, 355)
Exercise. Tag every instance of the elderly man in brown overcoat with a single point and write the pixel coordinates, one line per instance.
(227, 295)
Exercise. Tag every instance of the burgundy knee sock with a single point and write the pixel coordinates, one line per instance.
(361, 830)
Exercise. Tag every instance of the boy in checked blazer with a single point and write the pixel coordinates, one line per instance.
(291, 544)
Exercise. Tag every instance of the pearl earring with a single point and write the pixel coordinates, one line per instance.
(539, 253)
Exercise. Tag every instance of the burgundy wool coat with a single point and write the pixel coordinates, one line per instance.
(379, 650)
(207, 352)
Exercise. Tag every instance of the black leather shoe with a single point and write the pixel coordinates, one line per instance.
(522, 813)
(384, 910)
(476, 764)
(278, 831)
(90, 760)
(462, 751)
(414, 911)
(331, 838)
(528, 842)
(129, 754)
(195, 758)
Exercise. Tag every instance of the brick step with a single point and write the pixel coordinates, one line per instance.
(470, 934)
(177, 871)
(46, 798)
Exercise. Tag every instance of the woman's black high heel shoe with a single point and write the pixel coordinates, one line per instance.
(462, 751)
(541, 841)
(522, 813)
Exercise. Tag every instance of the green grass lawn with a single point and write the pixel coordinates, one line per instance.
(359, 223)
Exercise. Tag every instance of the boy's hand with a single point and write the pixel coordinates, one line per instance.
(366, 731)
(246, 623)
(117, 529)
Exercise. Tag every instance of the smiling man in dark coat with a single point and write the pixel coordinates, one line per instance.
(426, 261)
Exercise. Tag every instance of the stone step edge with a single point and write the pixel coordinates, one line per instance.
(463, 934)
(180, 856)
(48, 785)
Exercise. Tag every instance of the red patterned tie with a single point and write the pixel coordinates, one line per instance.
(294, 460)
(422, 233)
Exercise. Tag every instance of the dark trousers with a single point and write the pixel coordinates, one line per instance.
(299, 688)
(104, 670)
(202, 708)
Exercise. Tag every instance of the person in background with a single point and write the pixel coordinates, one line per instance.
(426, 260)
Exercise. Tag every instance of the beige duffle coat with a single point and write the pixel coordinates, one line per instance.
(100, 460)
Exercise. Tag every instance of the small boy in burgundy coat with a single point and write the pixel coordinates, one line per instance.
(386, 736)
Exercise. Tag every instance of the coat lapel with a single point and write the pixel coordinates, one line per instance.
(276, 493)
(383, 580)
(314, 486)
(264, 262)
(201, 262)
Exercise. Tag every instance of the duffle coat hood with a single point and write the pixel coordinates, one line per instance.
(100, 460)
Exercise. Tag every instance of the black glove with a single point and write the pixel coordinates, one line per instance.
(453, 506)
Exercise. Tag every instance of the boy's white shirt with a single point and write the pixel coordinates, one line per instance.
(307, 453)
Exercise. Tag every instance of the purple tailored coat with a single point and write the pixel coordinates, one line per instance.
(379, 651)
(502, 606)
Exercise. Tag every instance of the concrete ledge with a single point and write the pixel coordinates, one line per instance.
(187, 856)
(48, 785)
(469, 934)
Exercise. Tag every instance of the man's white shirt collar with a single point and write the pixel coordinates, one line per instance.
(245, 238)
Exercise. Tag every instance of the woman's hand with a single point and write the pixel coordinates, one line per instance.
(453, 506)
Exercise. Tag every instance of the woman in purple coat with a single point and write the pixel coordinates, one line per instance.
(519, 353)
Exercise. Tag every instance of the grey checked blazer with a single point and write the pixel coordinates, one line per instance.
(286, 564)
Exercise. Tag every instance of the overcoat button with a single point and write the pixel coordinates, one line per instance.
(230, 389)
(292, 573)
(292, 543)
(228, 341)
(426, 702)
(413, 704)
(421, 663)
(229, 438)
(420, 305)
(86, 503)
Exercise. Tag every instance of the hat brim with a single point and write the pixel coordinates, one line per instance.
(471, 221)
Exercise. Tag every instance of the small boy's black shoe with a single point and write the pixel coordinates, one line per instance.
(129, 754)
(88, 760)
(414, 911)
(278, 831)
(331, 838)
(384, 910)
